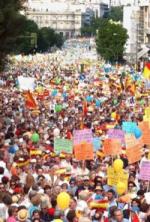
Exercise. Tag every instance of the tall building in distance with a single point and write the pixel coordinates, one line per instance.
(136, 20)
(114, 3)
(64, 16)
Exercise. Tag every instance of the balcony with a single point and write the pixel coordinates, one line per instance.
(147, 31)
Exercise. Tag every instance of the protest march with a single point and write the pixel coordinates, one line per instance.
(74, 138)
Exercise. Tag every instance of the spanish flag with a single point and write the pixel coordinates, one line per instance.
(85, 108)
(146, 72)
(29, 100)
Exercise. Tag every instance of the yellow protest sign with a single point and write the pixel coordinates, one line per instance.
(146, 117)
(114, 178)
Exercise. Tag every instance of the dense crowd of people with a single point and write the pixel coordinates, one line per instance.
(73, 91)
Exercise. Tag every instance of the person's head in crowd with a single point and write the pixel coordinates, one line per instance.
(56, 190)
(36, 200)
(98, 181)
(7, 199)
(118, 215)
(131, 186)
(35, 214)
(73, 204)
(141, 195)
(110, 195)
(99, 193)
(71, 216)
(111, 212)
(72, 182)
(30, 180)
(64, 187)
(74, 163)
(2, 187)
(135, 205)
(97, 216)
(86, 181)
(36, 220)
(12, 211)
(132, 177)
(47, 190)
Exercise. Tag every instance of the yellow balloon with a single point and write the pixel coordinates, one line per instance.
(113, 115)
(118, 165)
(57, 220)
(121, 188)
(63, 200)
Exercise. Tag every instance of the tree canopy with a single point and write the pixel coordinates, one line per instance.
(116, 13)
(90, 30)
(110, 41)
(11, 26)
(20, 35)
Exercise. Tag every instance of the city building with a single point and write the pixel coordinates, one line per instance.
(136, 20)
(104, 9)
(57, 15)
(64, 16)
(122, 2)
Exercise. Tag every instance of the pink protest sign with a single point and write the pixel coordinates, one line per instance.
(84, 135)
(145, 170)
(116, 134)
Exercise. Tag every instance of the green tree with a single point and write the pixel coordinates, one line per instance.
(116, 13)
(59, 40)
(47, 38)
(11, 26)
(110, 41)
(27, 41)
(90, 30)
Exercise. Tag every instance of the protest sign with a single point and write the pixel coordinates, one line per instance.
(112, 147)
(63, 145)
(134, 153)
(84, 151)
(145, 127)
(129, 127)
(145, 170)
(96, 143)
(130, 140)
(84, 135)
(147, 112)
(116, 134)
(114, 177)
(26, 83)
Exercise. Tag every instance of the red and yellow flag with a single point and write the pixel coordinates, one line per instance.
(146, 72)
(29, 100)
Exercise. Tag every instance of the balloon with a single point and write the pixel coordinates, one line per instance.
(57, 220)
(115, 101)
(57, 81)
(113, 115)
(63, 200)
(98, 103)
(54, 92)
(121, 188)
(118, 165)
(58, 108)
(35, 137)
(137, 133)
(88, 98)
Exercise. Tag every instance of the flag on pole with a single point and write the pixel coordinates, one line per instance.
(146, 72)
(29, 100)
